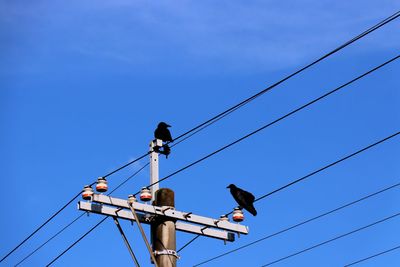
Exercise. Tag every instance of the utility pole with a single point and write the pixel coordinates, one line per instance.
(163, 231)
(161, 215)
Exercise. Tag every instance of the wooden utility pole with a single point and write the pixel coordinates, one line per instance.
(163, 230)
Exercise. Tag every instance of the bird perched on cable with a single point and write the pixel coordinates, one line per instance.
(163, 134)
(243, 198)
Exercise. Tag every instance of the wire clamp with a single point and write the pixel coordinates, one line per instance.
(167, 252)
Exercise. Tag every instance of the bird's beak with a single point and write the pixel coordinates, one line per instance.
(227, 186)
(168, 125)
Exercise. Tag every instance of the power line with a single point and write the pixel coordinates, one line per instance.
(78, 217)
(332, 164)
(281, 118)
(126, 242)
(61, 209)
(244, 102)
(299, 224)
(40, 227)
(48, 240)
(275, 121)
(328, 166)
(321, 169)
(223, 114)
(77, 241)
(188, 243)
(373, 256)
(127, 179)
(332, 239)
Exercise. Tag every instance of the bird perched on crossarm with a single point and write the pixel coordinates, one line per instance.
(243, 198)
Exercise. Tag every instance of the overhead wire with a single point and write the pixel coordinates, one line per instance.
(126, 241)
(78, 217)
(61, 209)
(333, 239)
(320, 169)
(275, 121)
(299, 224)
(221, 115)
(77, 241)
(251, 98)
(287, 115)
(327, 166)
(48, 240)
(372, 256)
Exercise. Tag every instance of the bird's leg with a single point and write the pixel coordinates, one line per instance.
(166, 150)
(156, 149)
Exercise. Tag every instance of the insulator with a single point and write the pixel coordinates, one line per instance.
(87, 192)
(238, 215)
(145, 194)
(101, 185)
(131, 199)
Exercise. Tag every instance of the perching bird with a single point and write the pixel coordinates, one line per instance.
(162, 132)
(243, 198)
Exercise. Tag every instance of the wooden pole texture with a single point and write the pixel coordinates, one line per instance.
(163, 230)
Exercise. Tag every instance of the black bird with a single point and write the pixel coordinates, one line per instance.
(243, 198)
(162, 132)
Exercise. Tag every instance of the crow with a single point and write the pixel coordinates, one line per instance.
(162, 132)
(243, 198)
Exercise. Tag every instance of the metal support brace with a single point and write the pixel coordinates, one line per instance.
(143, 235)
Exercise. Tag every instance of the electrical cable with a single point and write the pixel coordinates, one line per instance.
(223, 114)
(78, 217)
(275, 121)
(327, 166)
(281, 118)
(373, 256)
(48, 240)
(299, 224)
(323, 168)
(77, 241)
(61, 209)
(244, 102)
(188, 243)
(347, 157)
(121, 231)
(333, 239)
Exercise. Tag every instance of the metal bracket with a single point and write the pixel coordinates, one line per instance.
(187, 215)
(165, 208)
(167, 252)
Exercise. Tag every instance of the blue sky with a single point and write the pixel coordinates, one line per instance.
(84, 83)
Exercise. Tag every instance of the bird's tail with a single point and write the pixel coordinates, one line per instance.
(252, 210)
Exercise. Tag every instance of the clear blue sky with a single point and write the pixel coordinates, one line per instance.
(84, 83)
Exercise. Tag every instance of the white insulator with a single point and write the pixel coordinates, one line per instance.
(238, 215)
(101, 185)
(87, 192)
(145, 194)
(131, 199)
